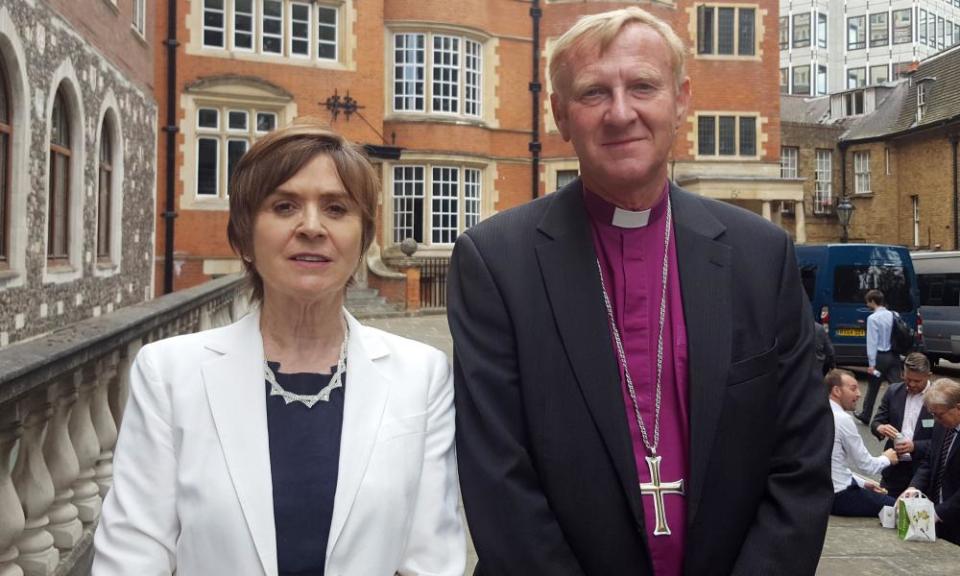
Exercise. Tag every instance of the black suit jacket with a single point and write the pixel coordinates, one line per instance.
(949, 509)
(897, 478)
(546, 465)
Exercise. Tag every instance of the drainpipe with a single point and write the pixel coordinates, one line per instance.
(171, 129)
(954, 138)
(535, 14)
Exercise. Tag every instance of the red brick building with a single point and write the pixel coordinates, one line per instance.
(446, 94)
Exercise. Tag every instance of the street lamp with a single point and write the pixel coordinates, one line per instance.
(844, 212)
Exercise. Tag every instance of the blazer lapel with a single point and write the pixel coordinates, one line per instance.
(366, 392)
(234, 385)
(568, 265)
(705, 284)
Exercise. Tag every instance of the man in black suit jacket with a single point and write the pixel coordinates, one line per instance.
(548, 469)
(939, 475)
(902, 399)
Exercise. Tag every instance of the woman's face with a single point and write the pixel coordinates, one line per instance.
(307, 235)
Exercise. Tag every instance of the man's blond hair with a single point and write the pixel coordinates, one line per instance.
(599, 30)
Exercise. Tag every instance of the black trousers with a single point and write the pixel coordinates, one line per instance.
(888, 364)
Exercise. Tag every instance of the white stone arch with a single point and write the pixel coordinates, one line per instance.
(109, 116)
(14, 61)
(65, 78)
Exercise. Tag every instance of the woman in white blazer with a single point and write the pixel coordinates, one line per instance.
(295, 441)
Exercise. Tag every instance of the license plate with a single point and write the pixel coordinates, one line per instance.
(851, 332)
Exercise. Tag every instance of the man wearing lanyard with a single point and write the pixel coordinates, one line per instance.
(635, 382)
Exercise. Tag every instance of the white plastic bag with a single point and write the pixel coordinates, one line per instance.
(916, 519)
(888, 517)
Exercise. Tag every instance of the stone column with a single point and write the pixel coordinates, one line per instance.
(103, 420)
(118, 394)
(34, 485)
(11, 511)
(800, 220)
(766, 210)
(86, 493)
(62, 461)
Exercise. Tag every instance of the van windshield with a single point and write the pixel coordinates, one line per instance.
(851, 284)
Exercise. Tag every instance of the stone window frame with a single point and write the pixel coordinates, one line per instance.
(700, 51)
(552, 168)
(739, 117)
(54, 271)
(224, 95)
(109, 118)
(346, 41)
(861, 172)
(484, 169)
(13, 273)
(427, 111)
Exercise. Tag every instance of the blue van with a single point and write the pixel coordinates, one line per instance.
(836, 278)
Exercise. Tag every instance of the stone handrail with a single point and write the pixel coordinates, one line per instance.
(61, 402)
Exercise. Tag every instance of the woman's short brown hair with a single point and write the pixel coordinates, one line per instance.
(276, 158)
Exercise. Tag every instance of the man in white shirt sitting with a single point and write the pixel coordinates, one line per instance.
(851, 495)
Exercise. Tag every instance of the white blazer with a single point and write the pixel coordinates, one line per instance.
(192, 489)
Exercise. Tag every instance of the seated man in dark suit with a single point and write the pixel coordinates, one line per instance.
(903, 414)
(939, 475)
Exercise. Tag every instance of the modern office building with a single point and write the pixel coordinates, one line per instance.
(828, 46)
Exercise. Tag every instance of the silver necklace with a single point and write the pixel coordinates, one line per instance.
(336, 381)
(656, 487)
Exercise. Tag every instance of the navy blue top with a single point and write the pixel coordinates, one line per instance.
(304, 456)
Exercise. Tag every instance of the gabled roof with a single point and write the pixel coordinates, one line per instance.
(941, 74)
(883, 120)
(895, 111)
(804, 109)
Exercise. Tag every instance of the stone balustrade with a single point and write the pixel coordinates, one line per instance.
(61, 404)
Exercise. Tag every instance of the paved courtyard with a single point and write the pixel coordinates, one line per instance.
(854, 546)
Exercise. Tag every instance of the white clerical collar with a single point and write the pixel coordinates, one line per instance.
(630, 219)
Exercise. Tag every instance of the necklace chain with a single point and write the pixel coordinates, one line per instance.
(336, 381)
(622, 355)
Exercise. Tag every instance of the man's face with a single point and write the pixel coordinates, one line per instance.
(621, 110)
(915, 381)
(946, 417)
(847, 393)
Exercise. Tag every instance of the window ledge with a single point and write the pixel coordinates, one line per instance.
(58, 268)
(436, 118)
(862, 195)
(106, 266)
(112, 5)
(139, 36)
(6, 274)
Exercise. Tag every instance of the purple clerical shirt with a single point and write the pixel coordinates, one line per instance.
(631, 259)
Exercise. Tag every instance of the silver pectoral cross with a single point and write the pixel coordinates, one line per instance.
(658, 489)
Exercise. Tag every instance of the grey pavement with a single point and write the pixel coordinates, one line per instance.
(854, 546)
